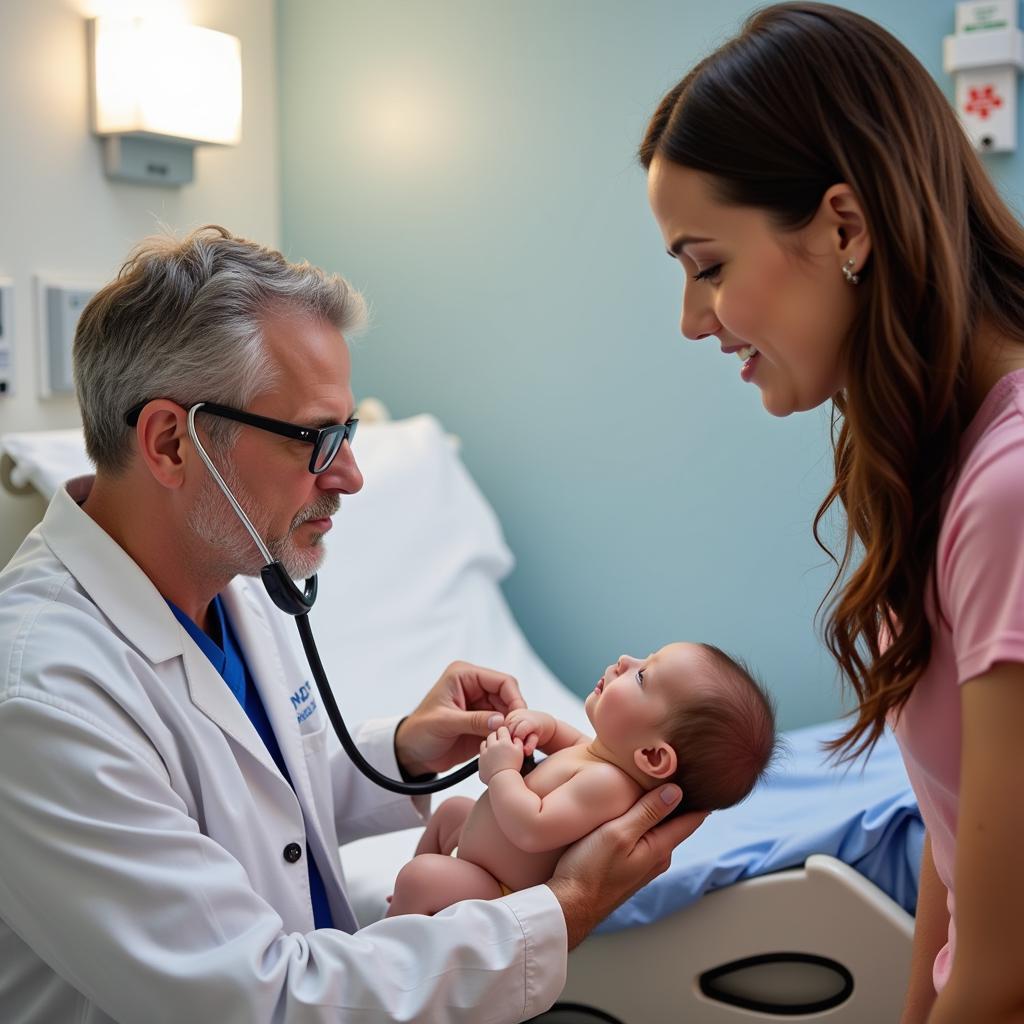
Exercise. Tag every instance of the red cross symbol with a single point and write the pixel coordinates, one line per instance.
(982, 101)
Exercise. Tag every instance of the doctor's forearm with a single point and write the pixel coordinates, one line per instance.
(577, 908)
(362, 809)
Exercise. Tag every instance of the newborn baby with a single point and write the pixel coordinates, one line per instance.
(687, 714)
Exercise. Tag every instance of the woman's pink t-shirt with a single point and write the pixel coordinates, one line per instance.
(980, 569)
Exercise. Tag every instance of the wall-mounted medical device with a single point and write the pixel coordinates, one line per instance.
(58, 307)
(985, 56)
(157, 91)
(6, 337)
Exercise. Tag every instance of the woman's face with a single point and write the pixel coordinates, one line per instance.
(752, 286)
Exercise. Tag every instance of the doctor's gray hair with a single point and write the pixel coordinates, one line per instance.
(184, 320)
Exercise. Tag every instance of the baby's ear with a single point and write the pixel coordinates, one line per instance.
(659, 761)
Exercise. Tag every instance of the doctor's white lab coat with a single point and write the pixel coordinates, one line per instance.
(148, 843)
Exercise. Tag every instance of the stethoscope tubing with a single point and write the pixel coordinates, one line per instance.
(297, 603)
(413, 788)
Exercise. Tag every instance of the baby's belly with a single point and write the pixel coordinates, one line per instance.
(483, 843)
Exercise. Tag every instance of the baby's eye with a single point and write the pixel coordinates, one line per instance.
(640, 677)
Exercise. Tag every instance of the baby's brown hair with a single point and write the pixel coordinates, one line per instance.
(724, 739)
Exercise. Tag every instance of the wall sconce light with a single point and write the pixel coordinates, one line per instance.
(157, 91)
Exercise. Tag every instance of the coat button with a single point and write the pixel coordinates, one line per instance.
(292, 852)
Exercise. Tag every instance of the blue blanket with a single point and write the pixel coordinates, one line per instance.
(865, 815)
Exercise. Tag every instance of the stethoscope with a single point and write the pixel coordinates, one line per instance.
(293, 601)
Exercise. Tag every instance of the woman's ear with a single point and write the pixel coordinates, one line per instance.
(659, 761)
(847, 226)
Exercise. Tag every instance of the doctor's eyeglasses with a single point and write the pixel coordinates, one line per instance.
(326, 441)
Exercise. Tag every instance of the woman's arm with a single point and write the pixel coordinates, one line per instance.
(986, 984)
(931, 929)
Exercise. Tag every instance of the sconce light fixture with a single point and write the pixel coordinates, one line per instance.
(157, 91)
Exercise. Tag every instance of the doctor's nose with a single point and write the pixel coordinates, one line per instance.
(342, 474)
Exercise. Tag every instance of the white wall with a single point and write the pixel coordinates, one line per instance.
(60, 216)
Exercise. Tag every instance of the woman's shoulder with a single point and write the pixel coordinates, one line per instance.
(992, 452)
(986, 500)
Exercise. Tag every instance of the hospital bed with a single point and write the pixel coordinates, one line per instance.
(795, 905)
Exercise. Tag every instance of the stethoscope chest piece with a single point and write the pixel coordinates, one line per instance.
(283, 591)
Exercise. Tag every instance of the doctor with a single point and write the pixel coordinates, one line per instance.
(171, 798)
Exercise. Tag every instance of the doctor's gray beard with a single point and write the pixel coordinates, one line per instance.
(232, 551)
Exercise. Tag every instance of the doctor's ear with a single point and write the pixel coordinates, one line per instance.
(159, 434)
(659, 761)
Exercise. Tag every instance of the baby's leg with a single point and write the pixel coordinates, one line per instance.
(442, 831)
(432, 881)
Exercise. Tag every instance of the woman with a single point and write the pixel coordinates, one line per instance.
(837, 231)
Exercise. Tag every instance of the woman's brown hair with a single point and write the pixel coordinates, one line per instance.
(806, 96)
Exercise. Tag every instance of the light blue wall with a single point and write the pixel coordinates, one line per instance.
(521, 292)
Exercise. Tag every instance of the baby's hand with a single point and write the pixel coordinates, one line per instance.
(534, 728)
(499, 752)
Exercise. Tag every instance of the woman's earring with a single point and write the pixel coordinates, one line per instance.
(851, 277)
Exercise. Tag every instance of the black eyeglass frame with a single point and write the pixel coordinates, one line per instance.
(317, 437)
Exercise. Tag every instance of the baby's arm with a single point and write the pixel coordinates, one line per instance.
(541, 731)
(594, 795)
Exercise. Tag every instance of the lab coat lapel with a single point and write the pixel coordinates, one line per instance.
(277, 674)
(275, 681)
(212, 695)
(127, 596)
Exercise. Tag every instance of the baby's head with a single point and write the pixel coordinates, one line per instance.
(687, 714)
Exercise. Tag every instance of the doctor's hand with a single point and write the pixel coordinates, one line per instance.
(466, 704)
(605, 868)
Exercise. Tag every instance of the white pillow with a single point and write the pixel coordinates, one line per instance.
(46, 458)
